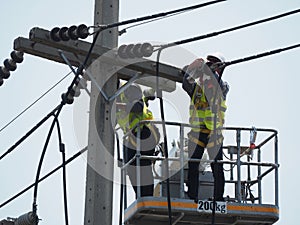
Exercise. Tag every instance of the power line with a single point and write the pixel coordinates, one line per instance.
(163, 14)
(34, 102)
(64, 170)
(124, 30)
(197, 38)
(260, 55)
(44, 177)
(52, 113)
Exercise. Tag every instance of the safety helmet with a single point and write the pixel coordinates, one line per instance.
(133, 92)
(215, 57)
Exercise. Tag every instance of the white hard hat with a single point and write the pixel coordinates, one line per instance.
(216, 57)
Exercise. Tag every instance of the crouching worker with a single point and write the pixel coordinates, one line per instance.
(135, 110)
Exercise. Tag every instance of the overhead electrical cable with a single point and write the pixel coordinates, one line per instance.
(79, 153)
(209, 35)
(34, 204)
(124, 30)
(150, 17)
(64, 172)
(161, 104)
(260, 55)
(13, 147)
(34, 102)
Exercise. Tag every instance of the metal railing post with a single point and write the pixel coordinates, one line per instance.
(238, 163)
(276, 172)
(138, 162)
(181, 162)
(259, 176)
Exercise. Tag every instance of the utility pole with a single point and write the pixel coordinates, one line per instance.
(99, 179)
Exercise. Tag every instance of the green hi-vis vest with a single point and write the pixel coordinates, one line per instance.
(201, 115)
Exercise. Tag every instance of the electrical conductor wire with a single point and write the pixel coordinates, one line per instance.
(209, 35)
(75, 156)
(64, 172)
(13, 147)
(34, 102)
(163, 14)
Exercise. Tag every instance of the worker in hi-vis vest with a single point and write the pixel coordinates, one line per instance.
(131, 110)
(202, 82)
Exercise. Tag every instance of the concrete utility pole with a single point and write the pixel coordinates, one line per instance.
(99, 184)
(99, 189)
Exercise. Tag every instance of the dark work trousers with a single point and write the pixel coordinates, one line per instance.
(146, 178)
(196, 152)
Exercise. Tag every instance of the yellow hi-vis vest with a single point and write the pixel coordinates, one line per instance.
(134, 119)
(121, 115)
(127, 120)
(201, 115)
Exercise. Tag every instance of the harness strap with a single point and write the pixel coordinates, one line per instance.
(209, 144)
(196, 141)
(132, 138)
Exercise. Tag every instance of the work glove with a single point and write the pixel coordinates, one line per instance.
(195, 69)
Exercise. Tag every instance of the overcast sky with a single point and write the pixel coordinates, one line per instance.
(263, 92)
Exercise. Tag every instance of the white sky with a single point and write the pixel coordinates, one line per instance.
(262, 93)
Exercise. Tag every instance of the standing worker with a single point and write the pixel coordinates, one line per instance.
(132, 110)
(202, 82)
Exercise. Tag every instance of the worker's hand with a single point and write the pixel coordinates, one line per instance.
(197, 64)
(195, 69)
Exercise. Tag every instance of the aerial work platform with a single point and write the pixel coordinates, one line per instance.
(251, 184)
(154, 211)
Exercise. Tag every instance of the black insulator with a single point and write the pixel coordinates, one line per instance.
(82, 31)
(27, 219)
(72, 32)
(10, 64)
(121, 51)
(72, 92)
(147, 49)
(4, 73)
(54, 34)
(137, 50)
(128, 51)
(67, 99)
(63, 34)
(17, 56)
